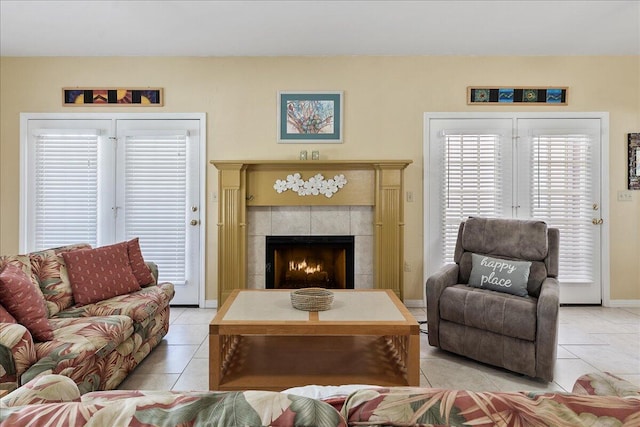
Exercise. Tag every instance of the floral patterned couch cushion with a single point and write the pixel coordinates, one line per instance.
(44, 389)
(54, 400)
(17, 352)
(427, 406)
(51, 271)
(604, 384)
(42, 406)
(23, 262)
(138, 305)
(87, 335)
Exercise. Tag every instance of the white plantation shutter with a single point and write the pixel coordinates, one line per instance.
(550, 171)
(561, 194)
(102, 180)
(472, 182)
(65, 187)
(155, 198)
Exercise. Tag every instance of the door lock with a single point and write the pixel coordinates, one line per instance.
(194, 222)
(596, 221)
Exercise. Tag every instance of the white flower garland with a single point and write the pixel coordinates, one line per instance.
(314, 186)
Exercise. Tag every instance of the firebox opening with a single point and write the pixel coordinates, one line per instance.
(294, 262)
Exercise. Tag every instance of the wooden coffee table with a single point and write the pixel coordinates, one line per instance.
(258, 341)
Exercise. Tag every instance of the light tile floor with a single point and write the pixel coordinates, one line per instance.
(590, 339)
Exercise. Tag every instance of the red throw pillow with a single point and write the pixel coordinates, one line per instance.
(6, 317)
(25, 302)
(101, 273)
(140, 269)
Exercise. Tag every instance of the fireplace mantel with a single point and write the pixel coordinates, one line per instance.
(243, 183)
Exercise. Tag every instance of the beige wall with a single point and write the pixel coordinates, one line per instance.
(385, 98)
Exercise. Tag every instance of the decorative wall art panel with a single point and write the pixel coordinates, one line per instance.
(512, 95)
(139, 97)
(634, 161)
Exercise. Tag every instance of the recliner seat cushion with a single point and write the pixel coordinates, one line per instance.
(489, 310)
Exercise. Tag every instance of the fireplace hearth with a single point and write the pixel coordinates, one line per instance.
(294, 262)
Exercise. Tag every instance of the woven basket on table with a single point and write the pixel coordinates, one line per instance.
(312, 299)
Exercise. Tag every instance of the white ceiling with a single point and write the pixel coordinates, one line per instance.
(272, 28)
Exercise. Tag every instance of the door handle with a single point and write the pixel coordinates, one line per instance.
(596, 221)
(194, 222)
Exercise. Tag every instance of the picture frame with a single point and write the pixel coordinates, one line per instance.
(310, 117)
(523, 95)
(112, 97)
(634, 160)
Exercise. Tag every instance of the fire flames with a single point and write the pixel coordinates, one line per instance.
(304, 266)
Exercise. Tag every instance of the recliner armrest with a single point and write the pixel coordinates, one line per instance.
(547, 328)
(436, 284)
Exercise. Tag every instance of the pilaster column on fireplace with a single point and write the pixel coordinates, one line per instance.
(232, 229)
(369, 183)
(389, 227)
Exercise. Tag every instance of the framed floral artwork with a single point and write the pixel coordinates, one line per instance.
(310, 117)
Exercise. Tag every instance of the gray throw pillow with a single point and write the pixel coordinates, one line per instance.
(500, 275)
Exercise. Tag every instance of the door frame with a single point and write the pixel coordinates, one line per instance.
(514, 116)
(202, 166)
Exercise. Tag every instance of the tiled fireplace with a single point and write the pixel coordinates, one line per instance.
(354, 222)
(369, 207)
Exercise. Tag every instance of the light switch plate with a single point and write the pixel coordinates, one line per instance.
(625, 196)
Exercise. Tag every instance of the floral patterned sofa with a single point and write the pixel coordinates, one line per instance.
(597, 400)
(93, 326)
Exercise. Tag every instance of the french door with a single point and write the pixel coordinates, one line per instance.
(104, 180)
(518, 166)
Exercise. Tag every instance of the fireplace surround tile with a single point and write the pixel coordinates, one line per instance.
(330, 220)
(363, 281)
(320, 220)
(290, 220)
(361, 220)
(363, 254)
(256, 255)
(259, 221)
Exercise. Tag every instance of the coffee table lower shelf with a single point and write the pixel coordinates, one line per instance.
(259, 362)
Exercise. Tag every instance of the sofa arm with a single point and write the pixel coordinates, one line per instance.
(604, 384)
(50, 388)
(154, 270)
(17, 352)
(547, 328)
(436, 284)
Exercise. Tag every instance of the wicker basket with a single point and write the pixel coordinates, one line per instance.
(312, 299)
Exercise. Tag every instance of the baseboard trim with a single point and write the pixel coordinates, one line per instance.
(210, 303)
(624, 303)
(414, 303)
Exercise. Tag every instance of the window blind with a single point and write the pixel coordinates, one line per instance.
(66, 187)
(561, 189)
(472, 184)
(155, 200)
